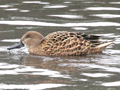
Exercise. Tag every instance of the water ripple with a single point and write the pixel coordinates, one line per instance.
(67, 2)
(79, 28)
(116, 83)
(24, 10)
(11, 9)
(114, 2)
(106, 15)
(91, 24)
(97, 74)
(94, 2)
(56, 6)
(5, 6)
(102, 8)
(10, 40)
(35, 2)
(31, 86)
(20, 51)
(68, 16)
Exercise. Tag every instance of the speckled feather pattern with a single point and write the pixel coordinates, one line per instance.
(67, 43)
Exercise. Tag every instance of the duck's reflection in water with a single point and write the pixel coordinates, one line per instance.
(61, 64)
(64, 65)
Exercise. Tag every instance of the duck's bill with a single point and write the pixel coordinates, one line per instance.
(19, 45)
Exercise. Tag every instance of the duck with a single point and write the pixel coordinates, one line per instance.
(61, 43)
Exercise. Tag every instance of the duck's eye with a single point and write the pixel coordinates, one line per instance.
(28, 36)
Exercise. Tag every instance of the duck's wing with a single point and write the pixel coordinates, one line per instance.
(72, 43)
(66, 43)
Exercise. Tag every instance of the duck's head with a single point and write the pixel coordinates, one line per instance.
(30, 39)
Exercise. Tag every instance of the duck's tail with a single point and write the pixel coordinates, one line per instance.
(99, 48)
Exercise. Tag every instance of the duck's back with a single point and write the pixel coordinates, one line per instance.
(67, 43)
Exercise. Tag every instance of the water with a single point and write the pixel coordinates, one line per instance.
(20, 70)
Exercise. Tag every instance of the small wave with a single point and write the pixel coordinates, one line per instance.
(102, 8)
(5, 6)
(97, 74)
(106, 15)
(31, 86)
(24, 10)
(79, 28)
(67, 2)
(35, 2)
(10, 40)
(91, 24)
(20, 51)
(23, 50)
(11, 9)
(111, 84)
(94, 2)
(114, 2)
(8, 66)
(56, 6)
(3, 49)
(68, 16)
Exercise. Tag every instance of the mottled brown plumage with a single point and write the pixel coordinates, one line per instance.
(63, 43)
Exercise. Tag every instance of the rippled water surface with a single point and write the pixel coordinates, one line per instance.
(20, 70)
